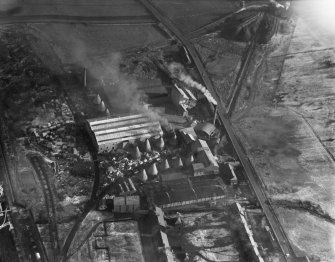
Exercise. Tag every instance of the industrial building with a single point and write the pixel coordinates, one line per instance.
(201, 152)
(160, 237)
(183, 98)
(254, 245)
(126, 204)
(185, 191)
(109, 132)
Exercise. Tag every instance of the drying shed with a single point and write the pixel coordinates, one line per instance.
(109, 132)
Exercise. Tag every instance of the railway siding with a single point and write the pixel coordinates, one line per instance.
(248, 168)
(43, 172)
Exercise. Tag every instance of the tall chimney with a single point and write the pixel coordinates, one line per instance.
(215, 113)
(85, 78)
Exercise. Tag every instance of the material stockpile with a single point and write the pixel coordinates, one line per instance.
(53, 128)
(141, 162)
(124, 164)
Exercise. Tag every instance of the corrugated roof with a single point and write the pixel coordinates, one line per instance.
(118, 129)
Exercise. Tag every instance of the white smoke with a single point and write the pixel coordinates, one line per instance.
(178, 71)
(122, 90)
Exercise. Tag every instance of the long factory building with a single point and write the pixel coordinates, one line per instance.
(109, 132)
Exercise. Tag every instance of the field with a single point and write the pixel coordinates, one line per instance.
(78, 8)
(286, 127)
(77, 44)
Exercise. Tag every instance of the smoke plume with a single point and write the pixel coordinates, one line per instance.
(122, 90)
(178, 71)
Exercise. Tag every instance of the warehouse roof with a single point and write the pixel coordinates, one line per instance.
(123, 128)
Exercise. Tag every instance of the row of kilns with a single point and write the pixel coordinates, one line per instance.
(136, 152)
(101, 105)
(165, 165)
(158, 145)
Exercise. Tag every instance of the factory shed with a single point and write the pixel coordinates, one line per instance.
(205, 130)
(185, 191)
(109, 132)
(126, 204)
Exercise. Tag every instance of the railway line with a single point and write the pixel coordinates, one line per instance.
(112, 20)
(253, 179)
(26, 232)
(4, 168)
(42, 170)
(29, 237)
(242, 73)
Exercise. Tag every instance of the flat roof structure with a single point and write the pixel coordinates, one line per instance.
(109, 132)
